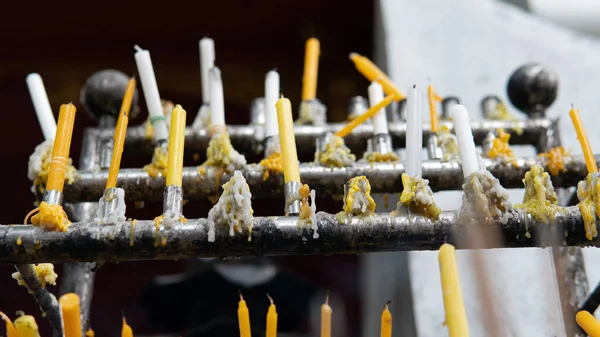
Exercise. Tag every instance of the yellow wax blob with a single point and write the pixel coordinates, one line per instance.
(26, 326)
(39, 166)
(50, 217)
(273, 164)
(44, 272)
(484, 196)
(11, 330)
(357, 198)
(500, 149)
(588, 192)
(555, 160)
(158, 165)
(220, 153)
(540, 200)
(90, 333)
(448, 144)
(336, 154)
(376, 157)
(417, 197)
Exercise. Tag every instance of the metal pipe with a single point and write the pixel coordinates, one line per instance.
(249, 138)
(142, 240)
(383, 177)
(47, 302)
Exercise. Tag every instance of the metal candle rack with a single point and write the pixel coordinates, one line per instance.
(86, 242)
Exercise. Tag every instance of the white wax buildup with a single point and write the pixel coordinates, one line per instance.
(207, 61)
(466, 144)
(217, 102)
(150, 88)
(414, 134)
(380, 119)
(41, 104)
(271, 97)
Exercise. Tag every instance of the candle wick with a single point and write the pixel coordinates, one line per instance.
(281, 94)
(270, 298)
(137, 48)
(387, 304)
(414, 86)
(241, 297)
(327, 297)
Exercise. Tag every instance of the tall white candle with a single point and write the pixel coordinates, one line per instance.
(271, 97)
(414, 133)
(464, 136)
(217, 102)
(41, 104)
(150, 88)
(380, 119)
(207, 61)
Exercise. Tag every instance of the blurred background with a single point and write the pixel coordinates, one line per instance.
(467, 47)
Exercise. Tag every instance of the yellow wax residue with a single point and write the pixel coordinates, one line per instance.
(132, 232)
(448, 144)
(555, 160)
(19, 240)
(26, 326)
(376, 157)
(157, 237)
(90, 333)
(50, 217)
(357, 198)
(220, 153)
(41, 176)
(501, 114)
(158, 166)
(501, 149)
(167, 106)
(588, 192)
(304, 193)
(418, 197)
(44, 272)
(484, 196)
(540, 200)
(273, 164)
(336, 154)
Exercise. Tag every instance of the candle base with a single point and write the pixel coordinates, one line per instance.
(53, 197)
(357, 106)
(202, 118)
(272, 145)
(172, 205)
(257, 111)
(312, 112)
(380, 143)
(292, 200)
(434, 151)
(111, 207)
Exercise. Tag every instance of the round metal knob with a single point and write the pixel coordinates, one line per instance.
(532, 89)
(103, 92)
(447, 104)
(489, 105)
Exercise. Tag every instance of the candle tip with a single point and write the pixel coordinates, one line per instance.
(137, 48)
(353, 56)
(241, 297)
(281, 94)
(388, 303)
(270, 298)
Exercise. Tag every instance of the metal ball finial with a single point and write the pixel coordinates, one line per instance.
(532, 89)
(103, 93)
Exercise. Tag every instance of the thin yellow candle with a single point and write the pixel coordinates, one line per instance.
(71, 315)
(271, 319)
(433, 99)
(311, 69)
(456, 317)
(11, 330)
(588, 323)
(373, 73)
(176, 143)
(590, 161)
(126, 330)
(244, 318)
(386, 321)
(119, 135)
(62, 145)
(26, 326)
(365, 116)
(326, 318)
(287, 139)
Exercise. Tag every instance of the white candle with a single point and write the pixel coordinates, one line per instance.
(217, 102)
(41, 104)
(150, 88)
(207, 61)
(271, 97)
(464, 136)
(414, 133)
(380, 119)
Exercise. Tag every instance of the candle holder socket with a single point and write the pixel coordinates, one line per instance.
(312, 112)
(357, 106)
(292, 198)
(447, 104)
(172, 205)
(272, 145)
(53, 197)
(321, 144)
(257, 111)
(111, 207)
(488, 143)
(434, 151)
(106, 151)
(380, 143)
(489, 105)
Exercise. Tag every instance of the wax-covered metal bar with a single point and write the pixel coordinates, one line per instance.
(383, 177)
(141, 240)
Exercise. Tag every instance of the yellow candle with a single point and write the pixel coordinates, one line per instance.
(119, 136)
(588, 323)
(11, 330)
(26, 325)
(372, 73)
(433, 100)
(456, 317)
(365, 116)
(62, 144)
(311, 69)
(271, 319)
(386, 321)
(326, 318)
(69, 306)
(244, 318)
(590, 161)
(287, 139)
(176, 142)
(126, 331)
